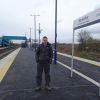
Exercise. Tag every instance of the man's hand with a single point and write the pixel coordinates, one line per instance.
(50, 61)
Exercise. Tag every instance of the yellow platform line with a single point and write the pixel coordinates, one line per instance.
(6, 66)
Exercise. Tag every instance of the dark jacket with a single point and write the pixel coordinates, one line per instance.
(44, 54)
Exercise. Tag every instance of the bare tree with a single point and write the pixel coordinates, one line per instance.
(83, 37)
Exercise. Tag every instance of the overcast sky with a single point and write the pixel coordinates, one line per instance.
(15, 17)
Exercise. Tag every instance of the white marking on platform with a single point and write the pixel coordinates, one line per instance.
(81, 59)
(80, 74)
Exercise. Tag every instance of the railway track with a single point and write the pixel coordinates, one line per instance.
(5, 51)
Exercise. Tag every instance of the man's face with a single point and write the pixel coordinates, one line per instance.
(45, 40)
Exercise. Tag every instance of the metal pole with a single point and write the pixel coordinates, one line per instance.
(39, 33)
(30, 37)
(55, 50)
(35, 31)
(99, 89)
(25, 40)
(72, 54)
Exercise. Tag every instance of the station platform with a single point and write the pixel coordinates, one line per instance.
(18, 80)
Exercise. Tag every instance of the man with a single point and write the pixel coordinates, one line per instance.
(44, 55)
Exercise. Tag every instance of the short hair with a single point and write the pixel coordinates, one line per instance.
(45, 37)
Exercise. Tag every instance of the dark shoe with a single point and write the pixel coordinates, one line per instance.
(48, 88)
(38, 88)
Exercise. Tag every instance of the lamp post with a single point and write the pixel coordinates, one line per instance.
(30, 38)
(55, 50)
(35, 28)
(39, 30)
